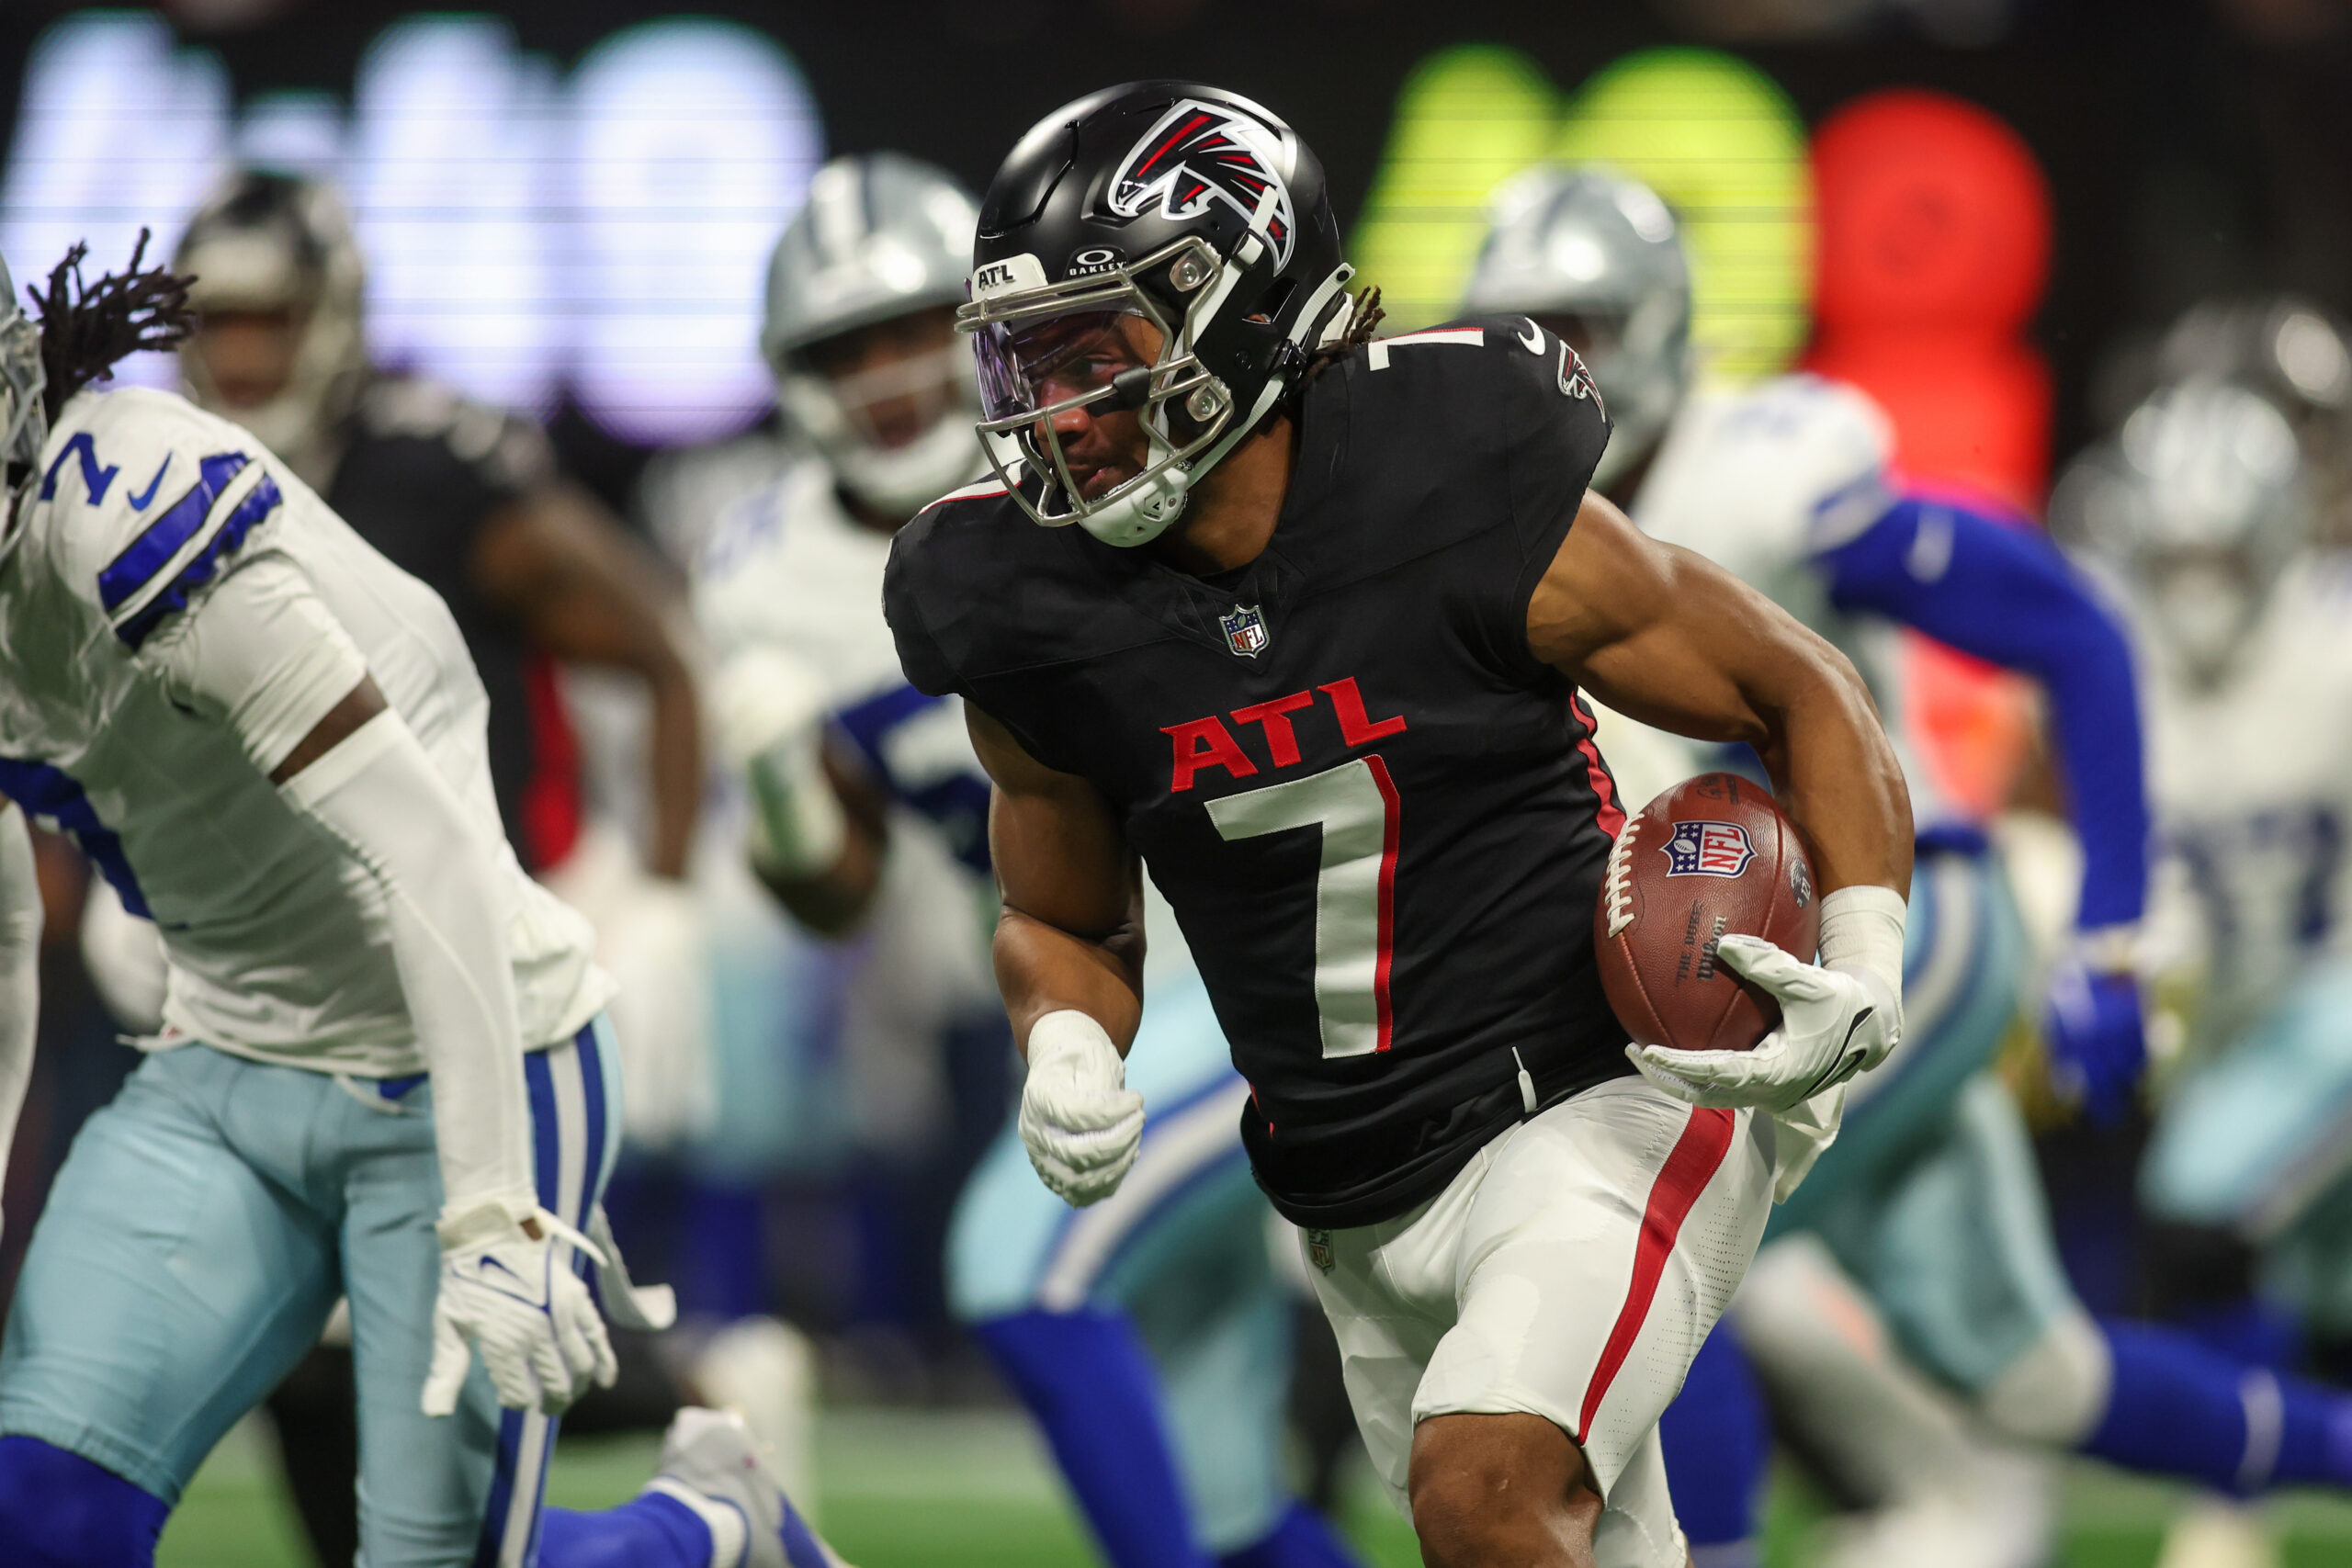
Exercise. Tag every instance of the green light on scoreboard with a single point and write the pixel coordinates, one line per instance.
(1715, 137)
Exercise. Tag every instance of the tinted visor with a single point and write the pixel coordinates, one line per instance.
(1028, 366)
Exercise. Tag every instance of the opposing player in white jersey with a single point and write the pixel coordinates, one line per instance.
(1147, 1333)
(383, 1071)
(1930, 1198)
(2201, 508)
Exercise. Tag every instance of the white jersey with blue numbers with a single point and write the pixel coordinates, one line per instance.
(2251, 779)
(1762, 479)
(276, 936)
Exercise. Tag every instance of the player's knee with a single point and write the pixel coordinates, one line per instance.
(2054, 1391)
(1489, 1489)
(60, 1510)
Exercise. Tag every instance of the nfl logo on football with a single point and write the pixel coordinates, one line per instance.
(1708, 849)
(1245, 630)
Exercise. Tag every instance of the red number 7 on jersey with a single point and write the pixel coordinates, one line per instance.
(1355, 888)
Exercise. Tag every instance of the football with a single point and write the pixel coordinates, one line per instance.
(1712, 856)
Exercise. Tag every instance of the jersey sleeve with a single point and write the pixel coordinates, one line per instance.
(1552, 427)
(260, 651)
(920, 656)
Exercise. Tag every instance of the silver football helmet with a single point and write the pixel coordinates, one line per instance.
(271, 242)
(1595, 245)
(881, 236)
(2202, 501)
(2299, 354)
(24, 418)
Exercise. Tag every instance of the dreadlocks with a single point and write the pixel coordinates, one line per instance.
(1363, 318)
(85, 328)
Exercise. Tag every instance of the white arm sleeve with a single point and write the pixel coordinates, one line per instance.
(381, 795)
(262, 652)
(20, 916)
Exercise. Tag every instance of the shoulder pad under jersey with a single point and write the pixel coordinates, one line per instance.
(1762, 479)
(143, 500)
(1493, 412)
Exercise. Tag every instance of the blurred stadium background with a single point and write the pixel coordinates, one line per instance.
(1984, 211)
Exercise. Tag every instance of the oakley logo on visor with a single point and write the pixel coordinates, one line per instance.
(1198, 153)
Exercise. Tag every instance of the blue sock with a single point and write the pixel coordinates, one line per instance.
(1085, 1378)
(60, 1510)
(649, 1532)
(1717, 1442)
(1300, 1539)
(2177, 1408)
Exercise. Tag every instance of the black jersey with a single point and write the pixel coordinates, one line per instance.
(1380, 820)
(422, 469)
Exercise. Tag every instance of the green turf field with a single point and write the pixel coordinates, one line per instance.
(907, 1489)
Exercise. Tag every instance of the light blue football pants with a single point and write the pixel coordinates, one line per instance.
(2258, 1141)
(197, 1238)
(1180, 1247)
(1931, 1198)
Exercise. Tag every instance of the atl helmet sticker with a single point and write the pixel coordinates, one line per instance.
(1197, 153)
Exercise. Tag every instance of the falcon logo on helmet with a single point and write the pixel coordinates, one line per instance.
(1200, 153)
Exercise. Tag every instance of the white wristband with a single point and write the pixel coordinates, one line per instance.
(1071, 1035)
(1861, 930)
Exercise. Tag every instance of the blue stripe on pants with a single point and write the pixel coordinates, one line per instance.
(570, 1131)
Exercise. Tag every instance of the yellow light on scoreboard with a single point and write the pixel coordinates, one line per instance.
(1716, 136)
(1722, 144)
(1468, 119)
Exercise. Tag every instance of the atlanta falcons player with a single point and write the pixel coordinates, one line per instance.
(1312, 654)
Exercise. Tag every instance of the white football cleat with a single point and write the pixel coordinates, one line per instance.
(714, 1466)
(765, 1369)
(2218, 1532)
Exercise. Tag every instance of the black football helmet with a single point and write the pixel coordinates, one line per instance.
(1183, 204)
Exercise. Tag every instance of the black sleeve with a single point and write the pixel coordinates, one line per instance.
(922, 659)
(1552, 430)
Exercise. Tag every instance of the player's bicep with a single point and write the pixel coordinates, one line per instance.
(1058, 853)
(1666, 637)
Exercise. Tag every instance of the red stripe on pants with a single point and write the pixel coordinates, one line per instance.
(1697, 1155)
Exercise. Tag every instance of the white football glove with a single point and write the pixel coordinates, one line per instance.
(770, 707)
(1835, 1022)
(514, 1297)
(1081, 1121)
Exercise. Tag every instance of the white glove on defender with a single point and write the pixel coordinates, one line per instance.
(770, 708)
(1081, 1121)
(1837, 1018)
(514, 1298)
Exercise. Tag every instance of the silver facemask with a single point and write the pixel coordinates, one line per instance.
(1592, 246)
(2202, 501)
(24, 420)
(882, 236)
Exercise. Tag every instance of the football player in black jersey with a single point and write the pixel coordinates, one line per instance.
(1311, 653)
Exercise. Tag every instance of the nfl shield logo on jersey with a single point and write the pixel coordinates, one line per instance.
(1708, 849)
(1318, 1250)
(1245, 630)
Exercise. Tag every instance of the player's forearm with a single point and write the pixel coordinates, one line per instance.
(675, 766)
(380, 795)
(20, 924)
(1836, 774)
(1041, 968)
(835, 900)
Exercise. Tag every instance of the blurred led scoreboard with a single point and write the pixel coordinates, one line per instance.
(528, 232)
